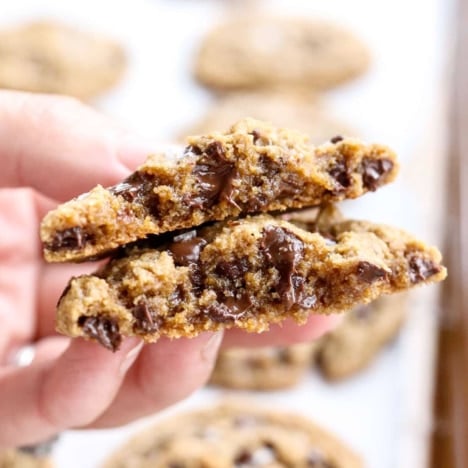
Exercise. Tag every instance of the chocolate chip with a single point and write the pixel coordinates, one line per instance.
(72, 238)
(260, 457)
(233, 270)
(316, 460)
(421, 269)
(238, 304)
(339, 172)
(336, 139)
(259, 139)
(289, 187)
(192, 150)
(214, 175)
(283, 250)
(373, 171)
(369, 272)
(105, 330)
(136, 188)
(146, 319)
(186, 248)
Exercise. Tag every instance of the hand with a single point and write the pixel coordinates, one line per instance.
(52, 149)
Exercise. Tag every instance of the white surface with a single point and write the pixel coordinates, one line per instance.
(383, 413)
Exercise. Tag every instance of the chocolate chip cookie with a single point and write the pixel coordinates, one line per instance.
(254, 167)
(355, 343)
(19, 459)
(247, 273)
(300, 111)
(263, 51)
(262, 368)
(50, 57)
(235, 435)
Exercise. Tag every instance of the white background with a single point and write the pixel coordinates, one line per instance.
(384, 413)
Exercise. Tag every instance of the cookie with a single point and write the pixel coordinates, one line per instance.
(355, 343)
(261, 51)
(19, 459)
(284, 109)
(247, 273)
(48, 57)
(262, 368)
(254, 167)
(235, 435)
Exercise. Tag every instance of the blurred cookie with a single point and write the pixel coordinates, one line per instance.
(49, 57)
(235, 435)
(262, 368)
(263, 51)
(19, 459)
(291, 110)
(362, 334)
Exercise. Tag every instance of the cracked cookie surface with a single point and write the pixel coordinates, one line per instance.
(247, 273)
(252, 168)
(235, 435)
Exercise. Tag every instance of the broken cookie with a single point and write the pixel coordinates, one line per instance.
(252, 168)
(247, 273)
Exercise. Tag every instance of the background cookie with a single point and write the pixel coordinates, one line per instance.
(18, 459)
(235, 435)
(358, 339)
(50, 57)
(262, 368)
(262, 51)
(290, 110)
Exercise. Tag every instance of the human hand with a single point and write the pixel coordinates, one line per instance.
(52, 149)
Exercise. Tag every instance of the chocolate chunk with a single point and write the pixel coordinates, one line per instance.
(146, 319)
(72, 238)
(283, 250)
(192, 150)
(288, 187)
(238, 304)
(259, 139)
(135, 188)
(316, 460)
(336, 139)
(186, 248)
(259, 457)
(103, 329)
(340, 173)
(420, 268)
(369, 272)
(373, 171)
(226, 312)
(214, 175)
(234, 270)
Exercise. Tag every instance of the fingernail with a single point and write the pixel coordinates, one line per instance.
(130, 357)
(210, 348)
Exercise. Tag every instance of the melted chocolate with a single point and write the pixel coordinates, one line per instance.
(215, 176)
(72, 238)
(283, 250)
(420, 268)
(103, 329)
(234, 270)
(146, 319)
(336, 139)
(369, 272)
(373, 171)
(186, 248)
(340, 173)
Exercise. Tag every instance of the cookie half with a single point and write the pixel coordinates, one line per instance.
(49, 57)
(262, 51)
(262, 368)
(248, 273)
(252, 168)
(235, 435)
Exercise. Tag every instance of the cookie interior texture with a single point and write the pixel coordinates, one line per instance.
(254, 167)
(248, 273)
(262, 51)
(50, 57)
(235, 435)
